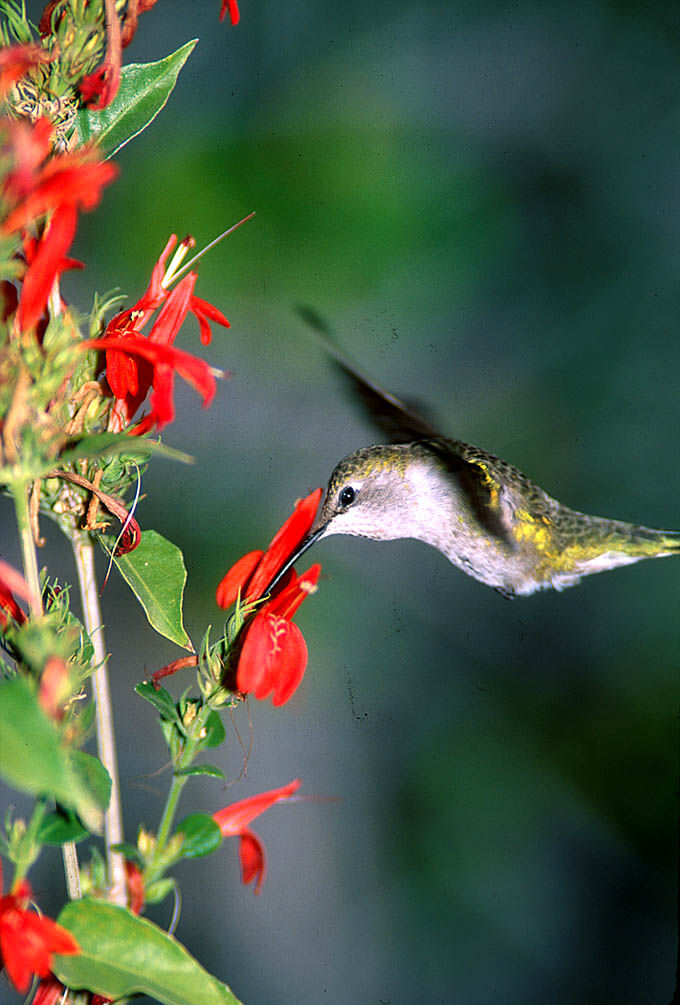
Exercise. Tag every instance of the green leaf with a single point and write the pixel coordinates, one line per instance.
(60, 827)
(33, 759)
(155, 573)
(157, 891)
(128, 851)
(201, 835)
(122, 954)
(160, 699)
(93, 775)
(143, 92)
(202, 769)
(214, 731)
(118, 443)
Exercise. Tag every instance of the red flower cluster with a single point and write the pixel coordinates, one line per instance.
(27, 940)
(137, 363)
(233, 822)
(273, 657)
(40, 183)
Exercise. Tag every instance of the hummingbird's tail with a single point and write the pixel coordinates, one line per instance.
(597, 544)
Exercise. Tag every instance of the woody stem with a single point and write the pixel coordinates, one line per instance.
(106, 741)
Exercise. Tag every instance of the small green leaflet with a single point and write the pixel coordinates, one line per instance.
(144, 91)
(122, 954)
(155, 573)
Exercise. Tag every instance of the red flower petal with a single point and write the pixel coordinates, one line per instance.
(235, 818)
(27, 942)
(173, 312)
(43, 270)
(253, 859)
(232, 7)
(65, 180)
(273, 658)
(236, 578)
(284, 543)
(165, 360)
(287, 601)
(204, 312)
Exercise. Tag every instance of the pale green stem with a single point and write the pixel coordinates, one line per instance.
(178, 783)
(106, 741)
(28, 555)
(30, 563)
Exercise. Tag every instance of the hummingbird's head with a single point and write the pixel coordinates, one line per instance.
(366, 492)
(382, 492)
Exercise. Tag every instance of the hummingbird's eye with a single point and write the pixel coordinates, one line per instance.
(347, 496)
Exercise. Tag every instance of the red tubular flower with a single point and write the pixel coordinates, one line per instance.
(35, 186)
(233, 821)
(232, 7)
(273, 657)
(274, 654)
(165, 361)
(137, 363)
(252, 580)
(27, 941)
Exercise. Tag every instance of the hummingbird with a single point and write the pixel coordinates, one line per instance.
(481, 512)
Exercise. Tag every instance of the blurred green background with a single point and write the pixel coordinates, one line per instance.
(483, 200)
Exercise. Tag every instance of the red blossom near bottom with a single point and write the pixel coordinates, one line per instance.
(233, 821)
(28, 941)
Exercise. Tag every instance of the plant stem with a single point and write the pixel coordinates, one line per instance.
(178, 783)
(28, 555)
(106, 742)
(192, 742)
(30, 564)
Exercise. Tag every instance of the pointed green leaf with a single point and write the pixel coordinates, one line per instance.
(122, 954)
(202, 769)
(155, 573)
(201, 835)
(118, 443)
(32, 758)
(160, 699)
(143, 92)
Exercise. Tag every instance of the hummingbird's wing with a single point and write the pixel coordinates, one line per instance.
(399, 421)
(481, 477)
(477, 472)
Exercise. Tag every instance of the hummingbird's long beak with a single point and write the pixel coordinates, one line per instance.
(306, 543)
